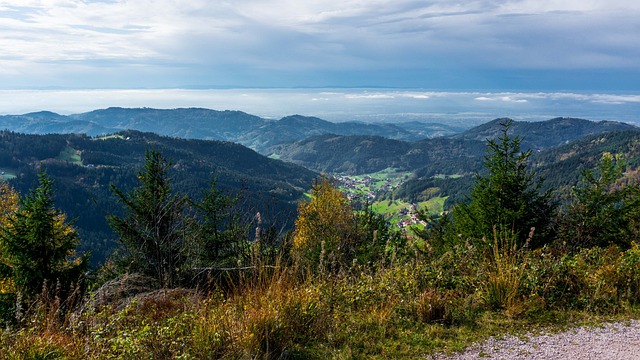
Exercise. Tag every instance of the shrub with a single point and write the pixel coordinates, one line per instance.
(628, 272)
(430, 306)
(325, 230)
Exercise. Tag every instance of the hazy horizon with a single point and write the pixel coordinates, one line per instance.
(343, 104)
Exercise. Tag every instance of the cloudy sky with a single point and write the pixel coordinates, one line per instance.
(435, 44)
(476, 58)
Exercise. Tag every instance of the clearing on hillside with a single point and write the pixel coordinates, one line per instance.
(71, 155)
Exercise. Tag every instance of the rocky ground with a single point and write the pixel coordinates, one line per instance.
(611, 341)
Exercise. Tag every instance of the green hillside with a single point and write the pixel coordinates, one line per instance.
(83, 169)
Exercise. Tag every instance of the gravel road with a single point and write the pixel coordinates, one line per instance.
(620, 341)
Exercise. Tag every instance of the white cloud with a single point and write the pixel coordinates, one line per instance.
(369, 96)
(503, 98)
(186, 39)
(418, 96)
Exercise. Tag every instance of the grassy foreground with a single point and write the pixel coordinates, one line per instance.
(396, 309)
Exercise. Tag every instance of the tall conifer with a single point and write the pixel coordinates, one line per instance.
(507, 197)
(39, 244)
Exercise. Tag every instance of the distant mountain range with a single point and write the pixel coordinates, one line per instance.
(195, 123)
(459, 153)
(540, 135)
(354, 155)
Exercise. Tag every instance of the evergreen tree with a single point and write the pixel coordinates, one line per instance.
(223, 232)
(506, 198)
(39, 245)
(377, 240)
(154, 231)
(602, 212)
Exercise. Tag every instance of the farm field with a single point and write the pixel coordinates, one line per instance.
(368, 187)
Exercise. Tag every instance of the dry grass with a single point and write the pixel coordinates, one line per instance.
(505, 272)
(405, 310)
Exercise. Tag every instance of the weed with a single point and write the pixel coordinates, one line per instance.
(506, 270)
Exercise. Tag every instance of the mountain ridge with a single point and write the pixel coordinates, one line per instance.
(539, 135)
(460, 151)
(200, 123)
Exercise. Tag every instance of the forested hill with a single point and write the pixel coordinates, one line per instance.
(196, 123)
(542, 135)
(563, 166)
(461, 153)
(368, 154)
(83, 167)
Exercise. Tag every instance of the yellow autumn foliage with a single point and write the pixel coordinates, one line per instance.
(9, 200)
(8, 203)
(325, 226)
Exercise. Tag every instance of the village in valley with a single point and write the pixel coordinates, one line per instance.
(375, 189)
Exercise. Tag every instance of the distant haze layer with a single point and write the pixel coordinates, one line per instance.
(369, 105)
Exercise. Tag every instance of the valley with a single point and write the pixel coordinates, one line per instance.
(396, 175)
(376, 190)
(277, 180)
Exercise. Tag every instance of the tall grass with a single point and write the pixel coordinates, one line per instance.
(505, 271)
(414, 307)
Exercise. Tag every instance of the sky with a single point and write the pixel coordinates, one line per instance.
(499, 48)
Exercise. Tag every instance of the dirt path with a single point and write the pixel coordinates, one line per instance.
(619, 341)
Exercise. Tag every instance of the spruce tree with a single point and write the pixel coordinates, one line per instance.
(222, 233)
(603, 211)
(507, 198)
(154, 230)
(39, 245)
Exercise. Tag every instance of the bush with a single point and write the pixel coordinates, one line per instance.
(628, 274)
(430, 306)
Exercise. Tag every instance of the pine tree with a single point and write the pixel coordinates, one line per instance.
(154, 231)
(39, 245)
(507, 198)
